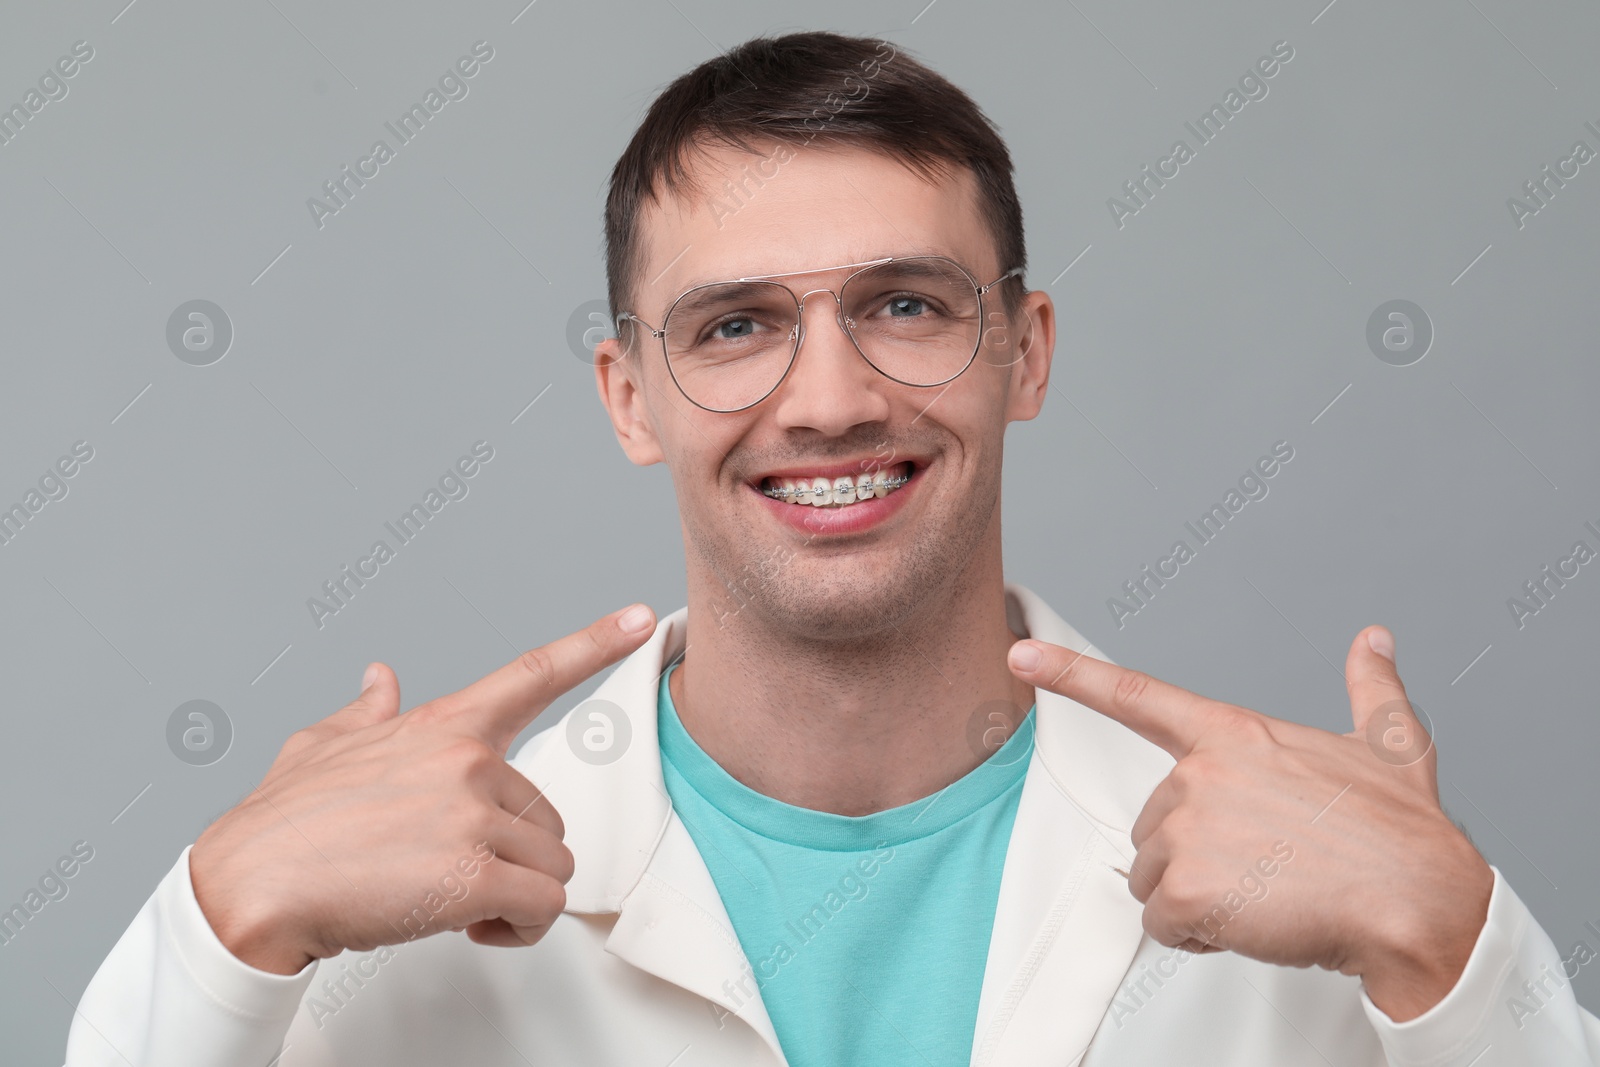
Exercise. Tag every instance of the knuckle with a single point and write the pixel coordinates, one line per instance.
(1158, 923)
(1139, 886)
(470, 757)
(1176, 830)
(1130, 689)
(1158, 920)
(422, 717)
(1199, 771)
(558, 825)
(1249, 728)
(445, 769)
(537, 662)
(1184, 892)
(301, 741)
(444, 707)
(481, 823)
(551, 897)
(562, 863)
(1187, 773)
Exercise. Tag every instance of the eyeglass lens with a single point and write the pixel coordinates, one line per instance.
(917, 320)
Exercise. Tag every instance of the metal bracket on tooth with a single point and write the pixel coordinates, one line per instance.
(812, 491)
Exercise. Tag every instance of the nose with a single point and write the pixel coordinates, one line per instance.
(830, 386)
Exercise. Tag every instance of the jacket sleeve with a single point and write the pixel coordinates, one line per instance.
(1512, 1006)
(170, 994)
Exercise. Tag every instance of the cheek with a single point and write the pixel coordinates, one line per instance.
(996, 349)
(973, 414)
(699, 447)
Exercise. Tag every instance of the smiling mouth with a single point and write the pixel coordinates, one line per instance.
(838, 492)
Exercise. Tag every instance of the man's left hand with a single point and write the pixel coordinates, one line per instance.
(1380, 883)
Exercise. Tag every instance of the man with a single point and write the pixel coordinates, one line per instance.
(836, 811)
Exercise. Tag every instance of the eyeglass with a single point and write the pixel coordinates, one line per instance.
(917, 320)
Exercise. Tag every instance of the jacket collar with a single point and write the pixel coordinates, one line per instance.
(613, 802)
(1066, 926)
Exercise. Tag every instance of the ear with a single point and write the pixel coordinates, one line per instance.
(1030, 370)
(616, 376)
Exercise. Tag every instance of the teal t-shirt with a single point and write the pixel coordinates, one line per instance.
(868, 935)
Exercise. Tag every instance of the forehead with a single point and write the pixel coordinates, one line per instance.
(792, 208)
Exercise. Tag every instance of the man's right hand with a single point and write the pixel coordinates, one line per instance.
(370, 818)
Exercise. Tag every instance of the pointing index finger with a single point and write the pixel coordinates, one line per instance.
(1164, 714)
(497, 706)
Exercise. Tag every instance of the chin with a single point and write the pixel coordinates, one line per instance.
(851, 595)
(867, 611)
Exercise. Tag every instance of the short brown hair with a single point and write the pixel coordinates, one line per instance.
(796, 89)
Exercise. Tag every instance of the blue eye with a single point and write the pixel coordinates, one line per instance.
(734, 328)
(906, 306)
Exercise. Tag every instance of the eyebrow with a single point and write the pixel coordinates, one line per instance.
(692, 300)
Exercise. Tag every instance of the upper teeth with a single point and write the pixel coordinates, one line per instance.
(841, 490)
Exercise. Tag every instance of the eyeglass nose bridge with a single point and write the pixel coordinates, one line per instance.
(839, 317)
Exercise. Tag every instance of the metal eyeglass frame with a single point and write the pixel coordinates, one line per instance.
(800, 322)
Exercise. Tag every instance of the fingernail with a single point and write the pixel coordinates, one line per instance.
(369, 677)
(1381, 642)
(1025, 657)
(634, 619)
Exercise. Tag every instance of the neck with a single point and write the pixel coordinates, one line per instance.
(860, 726)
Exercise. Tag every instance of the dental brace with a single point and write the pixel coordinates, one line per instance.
(894, 482)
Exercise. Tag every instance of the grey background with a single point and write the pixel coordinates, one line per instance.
(1228, 314)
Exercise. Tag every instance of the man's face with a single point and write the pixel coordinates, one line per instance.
(829, 572)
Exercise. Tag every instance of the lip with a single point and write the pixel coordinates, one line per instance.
(859, 517)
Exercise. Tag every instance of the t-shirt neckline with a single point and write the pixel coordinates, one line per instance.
(828, 831)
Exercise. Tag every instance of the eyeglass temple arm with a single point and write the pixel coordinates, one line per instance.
(1014, 272)
(624, 315)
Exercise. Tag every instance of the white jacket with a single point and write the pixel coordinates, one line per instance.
(644, 969)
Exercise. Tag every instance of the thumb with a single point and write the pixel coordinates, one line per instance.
(1371, 677)
(379, 699)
